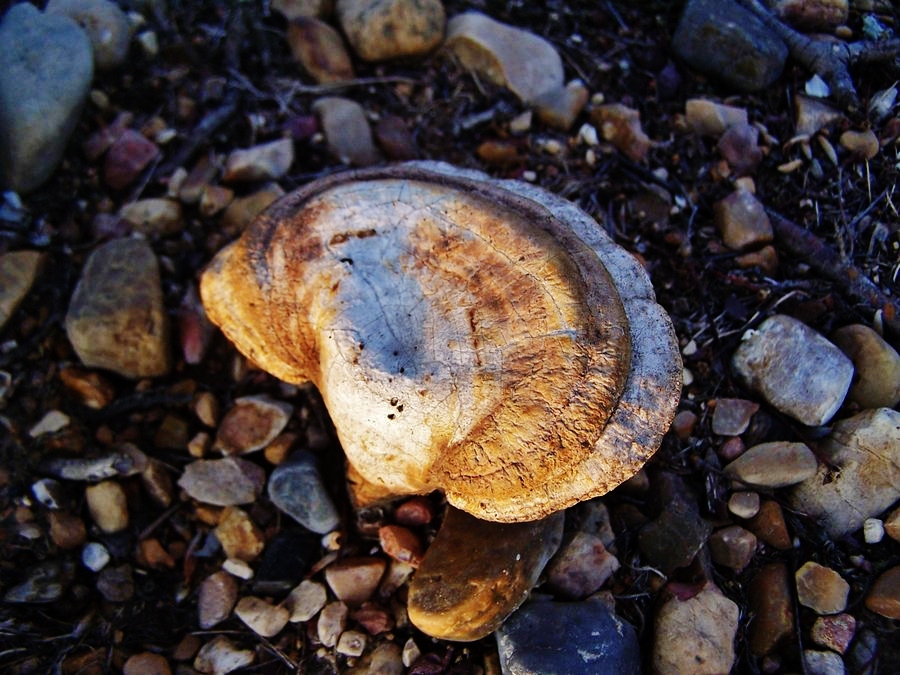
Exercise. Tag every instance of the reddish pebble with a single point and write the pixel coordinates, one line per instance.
(731, 449)
(834, 632)
(401, 544)
(128, 156)
(374, 619)
(414, 512)
(683, 424)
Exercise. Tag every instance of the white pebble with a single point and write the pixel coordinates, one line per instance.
(351, 643)
(238, 568)
(50, 423)
(873, 530)
(94, 556)
(587, 134)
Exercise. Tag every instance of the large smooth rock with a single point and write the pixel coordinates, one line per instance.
(116, 317)
(476, 573)
(548, 638)
(106, 26)
(877, 381)
(523, 62)
(46, 68)
(695, 631)
(795, 369)
(379, 30)
(861, 475)
(730, 43)
(18, 271)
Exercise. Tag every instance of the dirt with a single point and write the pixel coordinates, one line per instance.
(620, 50)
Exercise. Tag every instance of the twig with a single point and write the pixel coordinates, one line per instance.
(202, 133)
(293, 87)
(822, 258)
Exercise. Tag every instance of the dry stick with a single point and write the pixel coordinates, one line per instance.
(822, 258)
(830, 60)
(201, 134)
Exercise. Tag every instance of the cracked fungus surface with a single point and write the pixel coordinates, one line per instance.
(463, 338)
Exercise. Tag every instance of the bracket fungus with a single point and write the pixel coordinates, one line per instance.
(472, 335)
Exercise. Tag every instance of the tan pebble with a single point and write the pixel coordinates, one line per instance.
(278, 450)
(347, 131)
(320, 50)
(239, 536)
(67, 530)
(305, 601)
(351, 643)
(18, 272)
(215, 198)
(731, 416)
(560, 107)
(892, 525)
(742, 221)
(152, 554)
(354, 580)
(108, 506)
(774, 465)
(744, 504)
(218, 593)
(863, 145)
(732, 547)
(884, 597)
(262, 617)
(621, 126)
(877, 381)
(391, 29)
(709, 118)
(332, 620)
(147, 664)
(206, 408)
(242, 210)
(153, 217)
(766, 259)
(199, 445)
(220, 655)
(157, 481)
(252, 423)
(387, 659)
(92, 389)
(398, 573)
(268, 161)
(821, 589)
(401, 544)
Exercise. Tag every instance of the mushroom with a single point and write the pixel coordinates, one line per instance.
(472, 335)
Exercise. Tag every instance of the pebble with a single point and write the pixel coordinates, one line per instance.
(873, 530)
(476, 573)
(708, 118)
(351, 643)
(865, 450)
(52, 422)
(395, 139)
(580, 567)
(153, 217)
(297, 489)
(46, 68)
(892, 525)
(220, 656)
(242, 210)
(92, 389)
(766, 259)
(66, 529)
(834, 632)
(239, 536)
(128, 156)
(216, 598)
(813, 115)
(18, 272)
(238, 568)
(106, 26)
(347, 131)
(773, 465)
(731, 416)
(289, 554)
(674, 538)
(331, 623)
(771, 606)
(739, 146)
(151, 554)
(415, 512)
(251, 424)
(305, 601)
(385, 659)
(411, 651)
(268, 161)
(795, 369)
(401, 543)
(769, 525)
(621, 126)
(199, 444)
(44, 582)
(95, 556)
(117, 319)
(732, 546)
(742, 221)
(862, 145)
(398, 573)
(559, 108)
(381, 30)
(520, 61)
(877, 364)
(684, 424)
(730, 43)
(695, 631)
(373, 618)
(116, 584)
(223, 482)
(108, 506)
(320, 50)
(744, 504)
(354, 580)
(190, 189)
(262, 617)
(146, 663)
(574, 637)
(293, 9)
(49, 493)
(812, 15)
(884, 597)
(822, 663)
(214, 199)
(821, 588)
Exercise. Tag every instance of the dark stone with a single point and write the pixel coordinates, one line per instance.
(546, 637)
(726, 41)
(287, 558)
(296, 488)
(45, 582)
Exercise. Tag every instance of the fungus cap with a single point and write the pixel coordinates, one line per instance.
(472, 335)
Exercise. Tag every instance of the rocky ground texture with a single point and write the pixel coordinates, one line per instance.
(166, 507)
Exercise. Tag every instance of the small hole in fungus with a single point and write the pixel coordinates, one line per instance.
(391, 416)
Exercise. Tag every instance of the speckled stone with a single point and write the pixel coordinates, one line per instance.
(821, 589)
(381, 30)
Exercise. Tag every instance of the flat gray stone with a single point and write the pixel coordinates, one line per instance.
(223, 482)
(545, 638)
(774, 465)
(297, 489)
(46, 68)
(795, 369)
